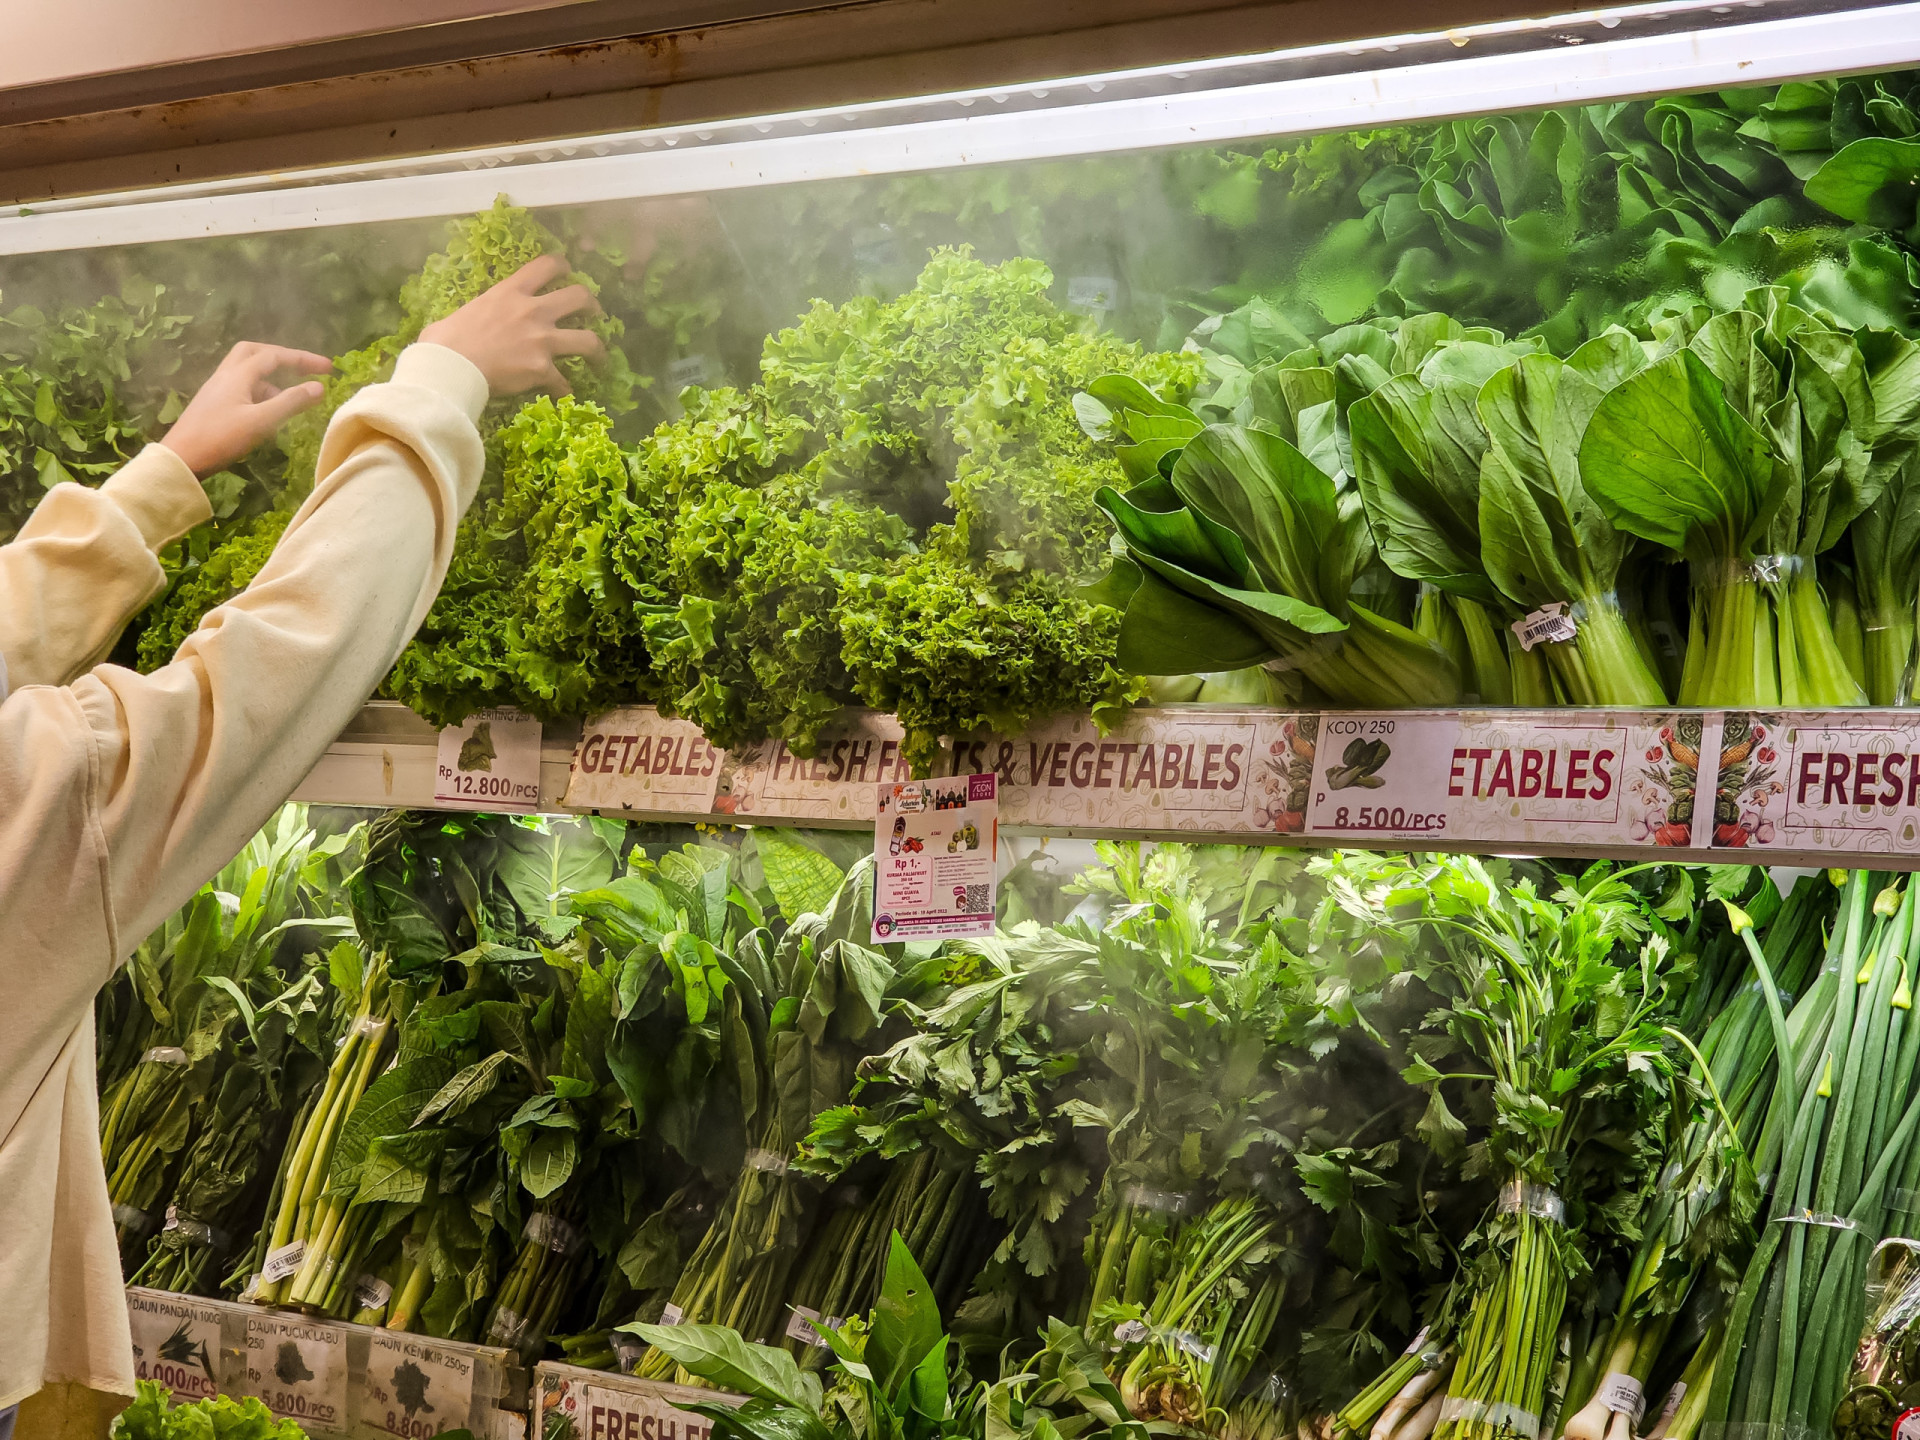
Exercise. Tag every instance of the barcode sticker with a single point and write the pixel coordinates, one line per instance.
(799, 1329)
(370, 1292)
(672, 1315)
(1622, 1394)
(284, 1262)
(1548, 625)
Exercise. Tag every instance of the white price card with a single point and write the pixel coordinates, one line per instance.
(489, 761)
(936, 849)
(622, 1410)
(1839, 781)
(175, 1341)
(414, 1387)
(298, 1368)
(1382, 775)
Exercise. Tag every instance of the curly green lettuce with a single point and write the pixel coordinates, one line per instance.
(894, 515)
(552, 580)
(753, 648)
(151, 1417)
(950, 652)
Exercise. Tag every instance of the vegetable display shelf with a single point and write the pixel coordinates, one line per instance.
(1797, 787)
(576, 1404)
(340, 1382)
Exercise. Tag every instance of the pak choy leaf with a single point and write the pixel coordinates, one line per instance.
(1543, 538)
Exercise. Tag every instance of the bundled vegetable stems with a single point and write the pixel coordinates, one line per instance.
(1851, 1111)
(309, 1232)
(926, 1199)
(1554, 1021)
(1209, 1319)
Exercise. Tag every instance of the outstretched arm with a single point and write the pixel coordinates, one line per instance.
(192, 758)
(85, 562)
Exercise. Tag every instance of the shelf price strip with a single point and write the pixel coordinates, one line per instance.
(1813, 783)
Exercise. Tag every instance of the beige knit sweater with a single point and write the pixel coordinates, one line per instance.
(121, 793)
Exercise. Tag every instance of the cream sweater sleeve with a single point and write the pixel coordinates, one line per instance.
(84, 564)
(191, 759)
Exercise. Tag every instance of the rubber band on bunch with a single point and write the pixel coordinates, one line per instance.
(1758, 570)
(1515, 1419)
(1430, 1352)
(546, 1229)
(1825, 1221)
(1316, 647)
(1542, 1202)
(628, 1351)
(165, 1055)
(1165, 1202)
(509, 1328)
(1273, 1388)
(1194, 1345)
(192, 1231)
(767, 1161)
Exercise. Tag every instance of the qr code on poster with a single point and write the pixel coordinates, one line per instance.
(977, 901)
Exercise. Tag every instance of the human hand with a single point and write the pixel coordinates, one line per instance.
(240, 407)
(512, 333)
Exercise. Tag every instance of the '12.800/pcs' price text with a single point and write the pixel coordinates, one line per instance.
(468, 785)
(1384, 817)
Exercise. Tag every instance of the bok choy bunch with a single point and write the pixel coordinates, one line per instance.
(1239, 551)
(1748, 449)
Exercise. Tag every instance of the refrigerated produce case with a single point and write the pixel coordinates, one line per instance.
(1491, 440)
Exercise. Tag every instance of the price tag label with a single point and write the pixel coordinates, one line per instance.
(490, 761)
(370, 1292)
(1382, 775)
(1622, 778)
(298, 1369)
(799, 1329)
(1549, 625)
(1621, 1393)
(692, 370)
(414, 1387)
(631, 1409)
(176, 1341)
(1846, 782)
(936, 850)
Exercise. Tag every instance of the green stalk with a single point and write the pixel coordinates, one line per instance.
(1888, 643)
(1826, 680)
(1490, 672)
(1616, 669)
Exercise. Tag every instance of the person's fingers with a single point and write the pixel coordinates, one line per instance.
(536, 275)
(554, 383)
(256, 361)
(562, 303)
(278, 409)
(576, 342)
